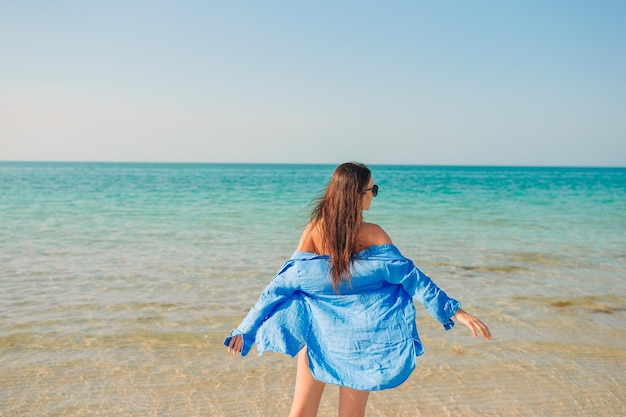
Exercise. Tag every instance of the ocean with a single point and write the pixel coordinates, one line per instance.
(119, 282)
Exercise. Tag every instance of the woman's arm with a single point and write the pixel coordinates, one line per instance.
(436, 302)
(281, 288)
(474, 323)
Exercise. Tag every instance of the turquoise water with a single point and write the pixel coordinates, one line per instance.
(118, 283)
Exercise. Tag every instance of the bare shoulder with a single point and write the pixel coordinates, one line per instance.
(373, 234)
(308, 240)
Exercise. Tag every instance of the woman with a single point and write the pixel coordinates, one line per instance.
(343, 303)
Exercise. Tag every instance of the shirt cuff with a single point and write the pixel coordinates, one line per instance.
(247, 341)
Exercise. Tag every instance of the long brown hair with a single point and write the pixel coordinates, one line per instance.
(338, 215)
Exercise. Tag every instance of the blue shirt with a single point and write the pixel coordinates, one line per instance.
(365, 337)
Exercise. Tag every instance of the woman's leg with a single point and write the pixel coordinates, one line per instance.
(308, 391)
(352, 402)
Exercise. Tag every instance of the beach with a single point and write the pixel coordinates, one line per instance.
(119, 283)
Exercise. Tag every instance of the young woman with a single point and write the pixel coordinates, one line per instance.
(343, 303)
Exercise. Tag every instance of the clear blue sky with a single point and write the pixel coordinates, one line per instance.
(400, 82)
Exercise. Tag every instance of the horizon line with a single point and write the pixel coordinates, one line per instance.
(307, 163)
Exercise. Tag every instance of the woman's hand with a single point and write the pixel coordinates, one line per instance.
(235, 344)
(475, 325)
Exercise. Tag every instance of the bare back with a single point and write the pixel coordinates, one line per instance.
(371, 234)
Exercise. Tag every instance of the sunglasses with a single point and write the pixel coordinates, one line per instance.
(374, 190)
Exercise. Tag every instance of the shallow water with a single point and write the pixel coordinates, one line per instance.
(118, 283)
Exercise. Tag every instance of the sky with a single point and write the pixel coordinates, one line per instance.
(533, 83)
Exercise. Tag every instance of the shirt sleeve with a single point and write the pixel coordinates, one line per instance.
(423, 289)
(281, 288)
